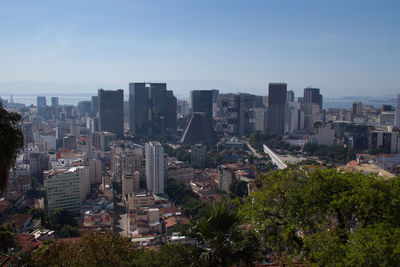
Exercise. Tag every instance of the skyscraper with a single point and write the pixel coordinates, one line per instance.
(397, 115)
(312, 95)
(154, 153)
(95, 106)
(171, 112)
(41, 101)
(54, 102)
(111, 111)
(277, 93)
(312, 105)
(147, 108)
(202, 101)
(41, 105)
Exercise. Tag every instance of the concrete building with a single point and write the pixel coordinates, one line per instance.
(102, 140)
(155, 172)
(95, 171)
(54, 102)
(183, 108)
(66, 188)
(277, 93)
(171, 116)
(130, 182)
(199, 155)
(202, 101)
(312, 107)
(147, 108)
(397, 117)
(390, 141)
(111, 111)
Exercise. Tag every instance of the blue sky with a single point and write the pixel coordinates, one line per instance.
(343, 47)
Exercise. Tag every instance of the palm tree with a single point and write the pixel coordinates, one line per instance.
(221, 235)
(11, 140)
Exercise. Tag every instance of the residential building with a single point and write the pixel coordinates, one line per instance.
(66, 188)
(155, 174)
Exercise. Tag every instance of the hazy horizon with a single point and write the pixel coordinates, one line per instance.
(344, 48)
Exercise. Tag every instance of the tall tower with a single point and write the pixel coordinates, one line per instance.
(54, 101)
(277, 93)
(397, 114)
(154, 153)
(312, 105)
(111, 111)
(202, 101)
(172, 108)
(147, 108)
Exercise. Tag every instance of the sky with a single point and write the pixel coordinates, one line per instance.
(71, 47)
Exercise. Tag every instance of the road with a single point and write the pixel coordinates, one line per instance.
(257, 155)
(274, 157)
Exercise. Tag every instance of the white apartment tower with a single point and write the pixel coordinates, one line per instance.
(155, 174)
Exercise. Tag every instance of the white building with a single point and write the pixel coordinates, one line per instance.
(66, 188)
(154, 167)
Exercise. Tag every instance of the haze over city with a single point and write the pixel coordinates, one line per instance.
(343, 47)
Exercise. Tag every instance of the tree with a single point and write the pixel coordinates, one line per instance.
(222, 236)
(60, 217)
(326, 217)
(11, 140)
(69, 231)
(7, 237)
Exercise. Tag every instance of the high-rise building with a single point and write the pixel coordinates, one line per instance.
(202, 101)
(41, 105)
(66, 188)
(357, 108)
(95, 106)
(111, 111)
(41, 101)
(154, 153)
(147, 108)
(397, 116)
(95, 171)
(84, 107)
(312, 95)
(183, 108)
(277, 93)
(312, 106)
(54, 102)
(171, 112)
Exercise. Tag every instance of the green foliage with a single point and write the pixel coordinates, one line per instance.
(59, 220)
(331, 154)
(69, 231)
(11, 140)
(326, 216)
(237, 189)
(38, 214)
(223, 238)
(272, 140)
(97, 249)
(184, 197)
(7, 237)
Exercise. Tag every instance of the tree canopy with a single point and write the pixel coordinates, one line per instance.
(11, 140)
(326, 217)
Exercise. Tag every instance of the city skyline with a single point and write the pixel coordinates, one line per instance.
(343, 48)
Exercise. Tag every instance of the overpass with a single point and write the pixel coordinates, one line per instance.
(274, 157)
